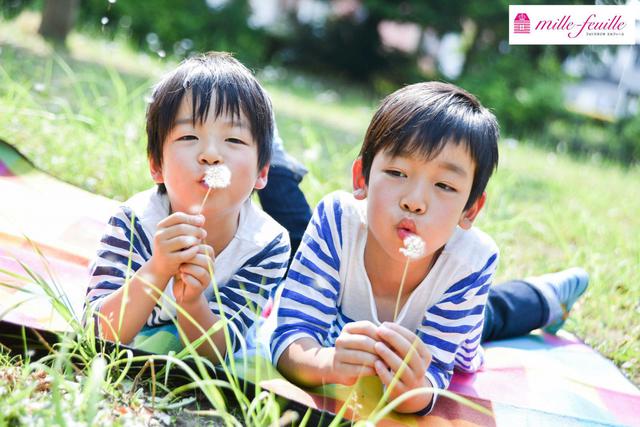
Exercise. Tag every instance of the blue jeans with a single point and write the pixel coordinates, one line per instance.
(513, 309)
(285, 202)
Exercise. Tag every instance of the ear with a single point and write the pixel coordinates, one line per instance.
(359, 184)
(468, 216)
(156, 172)
(261, 180)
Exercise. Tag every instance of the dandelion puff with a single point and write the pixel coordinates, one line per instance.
(217, 176)
(413, 247)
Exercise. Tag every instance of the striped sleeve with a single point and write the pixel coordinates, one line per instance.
(453, 326)
(123, 249)
(307, 304)
(245, 295)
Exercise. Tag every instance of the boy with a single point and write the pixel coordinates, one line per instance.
(208, 112)
(423, 167)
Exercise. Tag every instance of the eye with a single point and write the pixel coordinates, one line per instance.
(236, 141)
(446, 187)
(395, 173)
(187, 138)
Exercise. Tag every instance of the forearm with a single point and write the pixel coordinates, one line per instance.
(125, 311)
(199, 317)
(307, 363)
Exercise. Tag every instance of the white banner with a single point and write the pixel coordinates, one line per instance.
(564, 24)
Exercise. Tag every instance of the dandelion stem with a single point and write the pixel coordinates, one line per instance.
(199, 212)
(204, 201)
(404, 276)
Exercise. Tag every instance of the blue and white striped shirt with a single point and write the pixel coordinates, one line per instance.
(247, 271)
(327, 287)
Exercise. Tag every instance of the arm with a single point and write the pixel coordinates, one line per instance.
(306, 310)
(307, 363)
(455, 320)
(243, 297)
(124, 250)
(189, 284)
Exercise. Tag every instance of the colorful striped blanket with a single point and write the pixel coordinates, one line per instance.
(538, 380)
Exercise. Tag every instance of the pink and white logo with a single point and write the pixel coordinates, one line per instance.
(569, 24)
(522, 24)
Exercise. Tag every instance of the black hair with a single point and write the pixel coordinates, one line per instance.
(423, 117)
(234, 89)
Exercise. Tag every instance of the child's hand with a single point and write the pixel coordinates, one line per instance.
(398, 346)
(355, 354)
(176, 241)
(194, 276)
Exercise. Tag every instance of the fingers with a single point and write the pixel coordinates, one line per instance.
(355, 357)
(403, 354)
(386, 376)
(181, 218)
(180, 243)
(190, 280)
(362, 327)
(350, 373)
(406, 344)
(179, 231)
(353, 341)
(196, 272)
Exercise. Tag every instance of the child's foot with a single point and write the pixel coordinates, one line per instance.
(561, 290)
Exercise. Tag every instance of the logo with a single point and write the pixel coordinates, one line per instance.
(521, 25)
(577, 25)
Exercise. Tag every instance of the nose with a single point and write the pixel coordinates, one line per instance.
(210, 154)
(414, 201)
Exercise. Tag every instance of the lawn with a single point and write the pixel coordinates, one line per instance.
(80, 117)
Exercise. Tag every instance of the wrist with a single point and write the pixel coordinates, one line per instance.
(157, 275)
(326, 366)
(152, 279)
(416, 404)
(193, 308)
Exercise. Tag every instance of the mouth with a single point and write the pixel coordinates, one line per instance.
(406, 228)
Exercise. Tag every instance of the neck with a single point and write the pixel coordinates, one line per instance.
(221, 229)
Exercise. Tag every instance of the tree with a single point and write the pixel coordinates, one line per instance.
(58, 17)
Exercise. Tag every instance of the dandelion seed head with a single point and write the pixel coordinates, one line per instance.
(217, 176)
(414, 247)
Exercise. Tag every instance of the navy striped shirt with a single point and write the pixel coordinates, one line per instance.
(246, 271)
(327, 287)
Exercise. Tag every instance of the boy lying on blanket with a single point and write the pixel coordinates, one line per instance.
(405, 239)
(210, 130)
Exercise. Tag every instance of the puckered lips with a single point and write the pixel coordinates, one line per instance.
(203, 183)
(406, 228)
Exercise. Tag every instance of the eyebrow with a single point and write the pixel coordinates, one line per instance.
(235, 123)
(453, 167)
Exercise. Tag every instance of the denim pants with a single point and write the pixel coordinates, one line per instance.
(285, 202)
(513, 309)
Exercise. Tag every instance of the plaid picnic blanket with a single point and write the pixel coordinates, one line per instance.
(539, 380)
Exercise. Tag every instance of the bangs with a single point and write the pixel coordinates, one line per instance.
(426, 132)
(227, 93)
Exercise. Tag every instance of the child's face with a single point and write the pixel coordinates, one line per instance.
(189, 150)
(410, 195)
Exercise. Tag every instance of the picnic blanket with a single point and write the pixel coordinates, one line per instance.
(539, 380)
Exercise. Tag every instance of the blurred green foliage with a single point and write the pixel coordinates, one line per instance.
(523, 85)
(179, 27)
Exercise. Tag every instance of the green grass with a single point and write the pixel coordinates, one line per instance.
(81, 118)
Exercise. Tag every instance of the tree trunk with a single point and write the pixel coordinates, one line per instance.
(58, 17)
